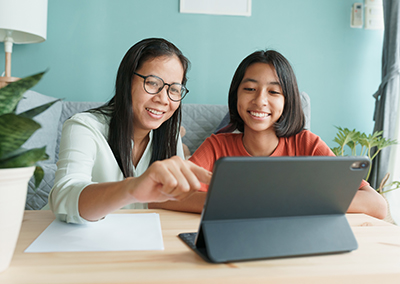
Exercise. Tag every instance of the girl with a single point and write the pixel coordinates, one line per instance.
(265, 107)
(105, 153)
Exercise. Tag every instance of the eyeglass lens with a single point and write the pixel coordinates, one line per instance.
(154, 85)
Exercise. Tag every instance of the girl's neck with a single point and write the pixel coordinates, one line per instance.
(260, 143)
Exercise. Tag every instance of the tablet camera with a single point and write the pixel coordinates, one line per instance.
(359, 165)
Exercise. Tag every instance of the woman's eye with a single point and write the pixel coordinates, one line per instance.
(152, 83)
(274, 92)
(249, 89)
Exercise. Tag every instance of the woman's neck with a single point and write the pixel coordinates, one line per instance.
(260, 143)
(140, 141)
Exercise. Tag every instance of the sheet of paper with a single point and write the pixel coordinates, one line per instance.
(117, 232)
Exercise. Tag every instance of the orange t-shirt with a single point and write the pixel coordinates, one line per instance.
(217, 146)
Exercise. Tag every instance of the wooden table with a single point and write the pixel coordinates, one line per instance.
(377, 260)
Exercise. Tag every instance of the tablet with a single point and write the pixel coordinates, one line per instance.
(270, 207)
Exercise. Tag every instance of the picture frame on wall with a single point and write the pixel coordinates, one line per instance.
(216, 7)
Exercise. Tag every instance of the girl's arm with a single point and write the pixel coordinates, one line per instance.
(192, 204)
(370, 202)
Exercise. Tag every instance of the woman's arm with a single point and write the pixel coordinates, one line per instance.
(171, 179)
(89, 184)
(370, 202)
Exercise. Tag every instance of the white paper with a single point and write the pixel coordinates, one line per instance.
(216, 7)
(117, 232)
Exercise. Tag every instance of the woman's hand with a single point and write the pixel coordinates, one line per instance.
(170, 179)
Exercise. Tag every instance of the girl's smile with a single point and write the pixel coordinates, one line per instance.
(259, 115)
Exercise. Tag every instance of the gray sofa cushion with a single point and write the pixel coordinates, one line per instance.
(36, 200)
(47, 135)
(200, 121)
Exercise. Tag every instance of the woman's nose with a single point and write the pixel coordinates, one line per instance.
(162, 96)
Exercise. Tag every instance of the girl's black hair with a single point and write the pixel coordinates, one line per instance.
(119, 108)
(292, 119)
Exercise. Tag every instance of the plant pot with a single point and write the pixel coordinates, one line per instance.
(13, 190)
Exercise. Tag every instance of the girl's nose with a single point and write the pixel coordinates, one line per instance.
(261, 98)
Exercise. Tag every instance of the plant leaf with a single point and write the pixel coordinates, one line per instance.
(24, 158)
(38, 174)
(337, 151)
(14, 131)
(37, 110)
(370, 141)
(346, 137)
(11, 94)
(383, 142)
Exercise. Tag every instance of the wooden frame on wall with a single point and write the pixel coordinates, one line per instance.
(216, 7)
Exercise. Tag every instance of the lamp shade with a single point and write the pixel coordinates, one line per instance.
(25, 21)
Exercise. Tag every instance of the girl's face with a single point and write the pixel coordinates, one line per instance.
(260, 100)
(150, 111)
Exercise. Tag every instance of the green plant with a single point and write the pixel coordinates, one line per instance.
(16, 129)
(362, 144)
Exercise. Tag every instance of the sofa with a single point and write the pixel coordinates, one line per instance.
(199, 121)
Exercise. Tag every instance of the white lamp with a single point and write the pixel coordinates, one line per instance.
(21, 21)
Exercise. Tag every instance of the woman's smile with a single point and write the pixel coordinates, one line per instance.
(155, 113)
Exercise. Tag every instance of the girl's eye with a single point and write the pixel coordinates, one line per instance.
(249, 89)
(274, 92)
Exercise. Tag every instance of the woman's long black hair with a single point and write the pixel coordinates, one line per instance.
(292, 119)
(119, 108)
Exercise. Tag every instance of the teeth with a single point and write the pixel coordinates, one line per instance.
(154, 111)
(259, 114)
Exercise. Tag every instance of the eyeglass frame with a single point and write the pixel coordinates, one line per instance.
(169, 86)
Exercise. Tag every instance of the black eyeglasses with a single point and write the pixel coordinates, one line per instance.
(153, 85)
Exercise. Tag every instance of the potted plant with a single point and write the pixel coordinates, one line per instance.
(361, 144)
(16, 163)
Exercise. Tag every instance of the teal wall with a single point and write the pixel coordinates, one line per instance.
(339, 67)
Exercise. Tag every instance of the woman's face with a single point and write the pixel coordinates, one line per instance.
(260, 100)
(150, 111)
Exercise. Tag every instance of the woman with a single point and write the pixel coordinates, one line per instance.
(113, 156)
(265, 107)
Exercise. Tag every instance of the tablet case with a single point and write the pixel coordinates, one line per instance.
(270, 207)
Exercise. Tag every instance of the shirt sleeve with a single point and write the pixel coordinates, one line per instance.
(179, 148)
(76, 159)
(312, 145)
(205, 157)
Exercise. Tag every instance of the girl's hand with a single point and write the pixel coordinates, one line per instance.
(170, 179)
